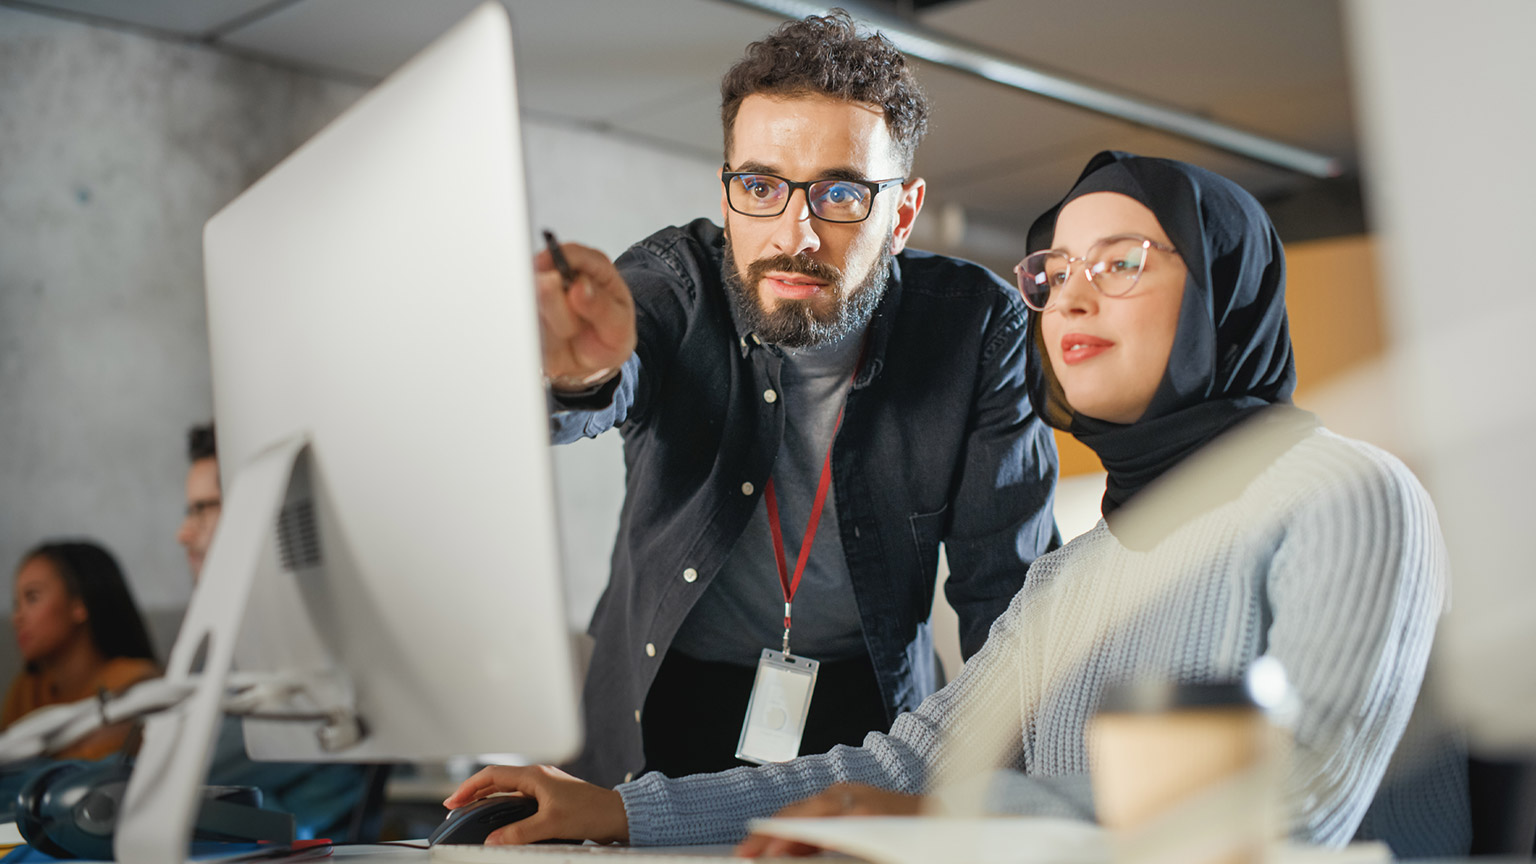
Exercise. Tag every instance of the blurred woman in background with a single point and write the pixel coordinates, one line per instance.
(79, 632)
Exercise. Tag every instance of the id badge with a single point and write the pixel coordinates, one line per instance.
(781, 697)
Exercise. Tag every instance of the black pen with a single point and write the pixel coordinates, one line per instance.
(567, 275)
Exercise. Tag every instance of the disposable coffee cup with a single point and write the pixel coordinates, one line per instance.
(1189, 772)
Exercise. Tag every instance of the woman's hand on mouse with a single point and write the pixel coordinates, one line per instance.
(569, 808)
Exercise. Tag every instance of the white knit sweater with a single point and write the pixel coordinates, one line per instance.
(1331, 560)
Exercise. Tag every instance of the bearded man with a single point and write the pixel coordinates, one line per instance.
(809, 409)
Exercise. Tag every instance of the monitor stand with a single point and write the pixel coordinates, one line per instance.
(166, 787)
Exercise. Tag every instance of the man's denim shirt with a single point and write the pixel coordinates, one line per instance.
(938, 445)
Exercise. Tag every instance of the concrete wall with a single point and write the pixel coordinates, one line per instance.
(114, 149)
(566, 169)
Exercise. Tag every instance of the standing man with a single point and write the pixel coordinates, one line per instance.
(324, 799)
(808, 409)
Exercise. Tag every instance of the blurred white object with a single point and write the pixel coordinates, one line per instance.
(51, 729)
(1450, 184)
(48, 730)
(1002, 840)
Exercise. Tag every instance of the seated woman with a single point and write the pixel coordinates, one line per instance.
(79, 632)
(1158, 326)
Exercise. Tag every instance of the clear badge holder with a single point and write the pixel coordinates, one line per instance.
(781, 699)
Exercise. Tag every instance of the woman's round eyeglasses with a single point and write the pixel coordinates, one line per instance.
(1113, 266)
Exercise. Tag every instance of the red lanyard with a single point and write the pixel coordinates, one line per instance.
(791, 585)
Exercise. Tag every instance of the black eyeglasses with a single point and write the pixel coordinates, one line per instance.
(764, 195)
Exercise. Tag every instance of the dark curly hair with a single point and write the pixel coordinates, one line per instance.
(92, 574)
(826, 55)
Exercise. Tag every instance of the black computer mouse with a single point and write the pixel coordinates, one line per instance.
(473, 822)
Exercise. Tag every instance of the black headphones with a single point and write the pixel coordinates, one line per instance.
(69, 810)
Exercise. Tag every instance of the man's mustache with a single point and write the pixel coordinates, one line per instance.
(800, 264)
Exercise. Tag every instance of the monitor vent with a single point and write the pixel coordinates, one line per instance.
(298, 535)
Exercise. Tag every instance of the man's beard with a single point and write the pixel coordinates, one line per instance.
(799, 323)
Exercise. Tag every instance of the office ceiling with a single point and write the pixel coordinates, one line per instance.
(995, 157)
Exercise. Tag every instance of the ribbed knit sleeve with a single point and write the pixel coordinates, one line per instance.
(1331, 561)
(1355, 589)
(967, 726)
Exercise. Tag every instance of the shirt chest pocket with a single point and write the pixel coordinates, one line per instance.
(927, 533)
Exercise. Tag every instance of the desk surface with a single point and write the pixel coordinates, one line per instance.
(386, 854)
(590, 855)
(555, 854)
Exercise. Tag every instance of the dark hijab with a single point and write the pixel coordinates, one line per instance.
(1231, 356)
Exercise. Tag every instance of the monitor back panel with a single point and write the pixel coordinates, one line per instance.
(374, 292)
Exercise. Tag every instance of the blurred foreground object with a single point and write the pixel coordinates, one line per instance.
(1451, 203)
(1156, 745)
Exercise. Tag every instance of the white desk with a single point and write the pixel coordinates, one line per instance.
(549, 854)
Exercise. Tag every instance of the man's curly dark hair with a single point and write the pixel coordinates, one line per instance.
(826, 55)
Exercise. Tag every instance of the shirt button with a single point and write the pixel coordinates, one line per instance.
(690, 575)
(650, 649)
(747, 488)
(628, 776)
(770, 397)
(637, 715)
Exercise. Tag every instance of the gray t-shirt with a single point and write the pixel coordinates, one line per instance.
(743, 611)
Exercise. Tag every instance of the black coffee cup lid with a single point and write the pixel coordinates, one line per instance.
(1263, 687)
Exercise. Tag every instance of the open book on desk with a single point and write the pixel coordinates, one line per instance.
(1022, 840)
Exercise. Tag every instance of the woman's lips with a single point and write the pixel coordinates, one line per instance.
(792, 287)
(1077, 347)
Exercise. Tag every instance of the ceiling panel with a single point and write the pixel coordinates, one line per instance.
(186, 17)
(1273, 68)
(979, 128)
(363, 38)
(1184, 52)
(622, 62)
(587, 59)
(1226, 60)
(649, 70)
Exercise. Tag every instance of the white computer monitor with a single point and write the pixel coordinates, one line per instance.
(378, 394)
